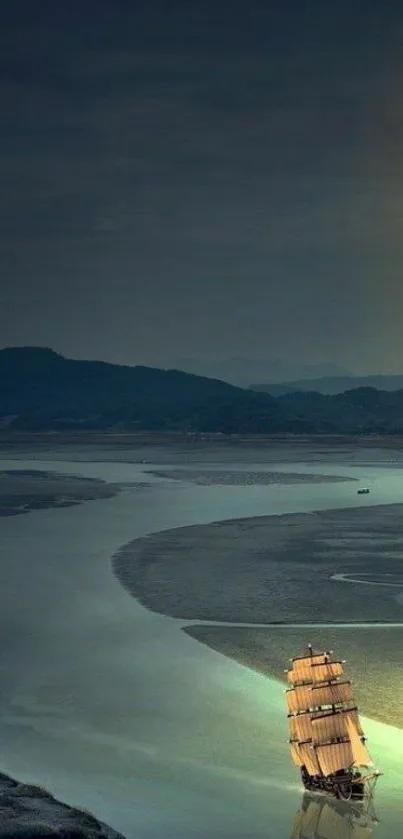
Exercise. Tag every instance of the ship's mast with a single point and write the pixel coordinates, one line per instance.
(325, 732)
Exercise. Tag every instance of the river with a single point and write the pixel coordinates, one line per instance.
(113, 707)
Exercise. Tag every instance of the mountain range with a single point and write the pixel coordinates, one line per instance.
(330, 384)
(41, 390)
(242, 371)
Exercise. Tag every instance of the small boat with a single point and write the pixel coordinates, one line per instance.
(326, 737)
(363, 491)
(327, 818)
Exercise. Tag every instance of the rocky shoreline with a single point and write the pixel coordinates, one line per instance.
(31, 812)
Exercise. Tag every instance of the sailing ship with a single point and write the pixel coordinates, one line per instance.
(326, 738)
(327, 818)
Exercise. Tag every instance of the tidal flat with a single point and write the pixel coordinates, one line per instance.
(23, 490)
(115, 708)
(245, 477)
(341, 566)
(373, 657)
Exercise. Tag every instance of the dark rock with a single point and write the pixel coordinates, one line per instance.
(30, 812)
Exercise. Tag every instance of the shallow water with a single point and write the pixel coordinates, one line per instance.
(113, 707)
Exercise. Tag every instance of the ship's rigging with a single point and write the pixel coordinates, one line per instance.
(326, 737)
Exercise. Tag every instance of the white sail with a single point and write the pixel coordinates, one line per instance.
(325, 732)
(334, 757)
(361, 756)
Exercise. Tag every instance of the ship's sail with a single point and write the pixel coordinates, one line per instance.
(332, 693)
(301, 669)
(324, 694)
(327, 671)
(335, 725)
(361, 755)
(310, 759)
(301, 727)
(296, 753)
(326, 735)
(299, 698)
(314, 669)
(334, 756)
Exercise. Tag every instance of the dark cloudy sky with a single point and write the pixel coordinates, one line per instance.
(203, 178)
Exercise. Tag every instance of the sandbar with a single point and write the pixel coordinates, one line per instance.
(246, 477)
(24, 490)
(280, 569)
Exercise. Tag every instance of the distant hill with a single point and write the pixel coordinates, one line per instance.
(41, 390)
(364, 410)
(241, 371)
(330, 384)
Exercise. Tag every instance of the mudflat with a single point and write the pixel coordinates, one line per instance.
(22, 490)
(373, 658)
(273, 568)
(342, 566)
(246, 477)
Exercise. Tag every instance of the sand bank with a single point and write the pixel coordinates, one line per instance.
(373, 658)
(246, 477)
(271, 568)
(280, 569)
(23, 490)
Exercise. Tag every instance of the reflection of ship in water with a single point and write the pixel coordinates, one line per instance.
(321, 817)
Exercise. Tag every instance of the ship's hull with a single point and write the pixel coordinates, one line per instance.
(346, 786)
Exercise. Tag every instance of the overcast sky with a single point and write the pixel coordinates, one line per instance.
(204, 178)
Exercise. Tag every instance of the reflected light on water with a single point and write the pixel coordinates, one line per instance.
(322, 817)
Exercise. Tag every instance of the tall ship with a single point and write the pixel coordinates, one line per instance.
(326, 737)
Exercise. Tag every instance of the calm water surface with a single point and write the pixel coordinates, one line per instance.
(113, 707)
